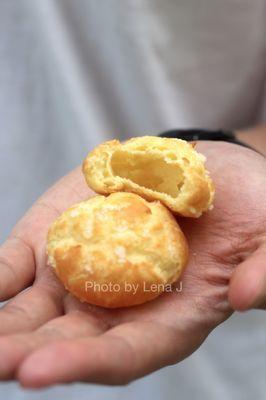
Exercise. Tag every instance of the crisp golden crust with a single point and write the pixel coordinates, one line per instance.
(127, 246)
(169, 170)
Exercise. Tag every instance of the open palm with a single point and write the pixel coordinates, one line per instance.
(47, 336)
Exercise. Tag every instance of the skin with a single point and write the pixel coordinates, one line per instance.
(48, 337)
(255, 136)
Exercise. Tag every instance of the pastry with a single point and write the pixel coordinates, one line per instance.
(169, 170)
(117, 251)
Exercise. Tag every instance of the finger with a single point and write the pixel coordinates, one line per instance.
(248, 283)
(30, 309)
(122, 354)
(24, 248)
(14, 348)
(17, 267)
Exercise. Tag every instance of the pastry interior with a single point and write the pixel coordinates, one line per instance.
(149, 170)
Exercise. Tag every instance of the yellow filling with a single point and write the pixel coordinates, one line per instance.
(149, 171)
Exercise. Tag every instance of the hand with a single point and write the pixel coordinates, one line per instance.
(49, 337)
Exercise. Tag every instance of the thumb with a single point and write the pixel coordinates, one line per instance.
(247, 287)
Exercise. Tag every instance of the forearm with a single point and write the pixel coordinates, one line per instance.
(255, 137)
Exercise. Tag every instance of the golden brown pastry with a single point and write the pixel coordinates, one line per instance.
(116, 251)
(169, 170)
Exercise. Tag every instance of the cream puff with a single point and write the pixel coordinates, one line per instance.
(168, 170)
(117, 251)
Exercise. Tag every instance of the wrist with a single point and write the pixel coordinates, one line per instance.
(204, 134)
(255, 137)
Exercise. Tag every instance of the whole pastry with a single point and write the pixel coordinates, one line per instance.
(169, 170)
(117, 251)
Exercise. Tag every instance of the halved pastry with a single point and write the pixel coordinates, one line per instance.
(169, 170)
